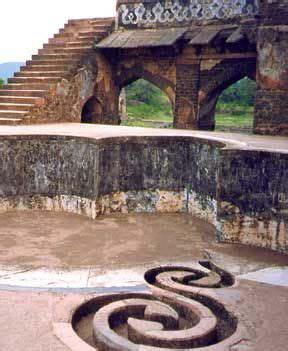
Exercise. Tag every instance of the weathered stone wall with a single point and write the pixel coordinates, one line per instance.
(253, 198)
(95, 177)
(236, 191)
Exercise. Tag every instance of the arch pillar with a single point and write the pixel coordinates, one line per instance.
(186, 97)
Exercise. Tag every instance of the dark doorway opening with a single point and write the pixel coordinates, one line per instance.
(92, 111)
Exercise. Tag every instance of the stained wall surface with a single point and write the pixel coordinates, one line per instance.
(244, 194)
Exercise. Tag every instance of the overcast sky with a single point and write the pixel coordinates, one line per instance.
(25, 25)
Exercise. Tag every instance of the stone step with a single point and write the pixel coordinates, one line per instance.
(65, 41)
(44, 68)
(55, 45)
(45, 74)
(76, 50)
(66, 62)
(107, 20)
(53, 57)
(75, 44)
(20, 100)
(85, 25)
(96, 19)
(105, 25)
(77, 23)
(64, 35)
(10, 121)
(22, 93)
(81, 20)
(81, 42)
(15, 107)
(12, 114)
(74, 29)
(91, 34)
(25, 86)
(39, 80)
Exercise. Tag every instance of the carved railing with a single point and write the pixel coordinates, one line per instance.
(181, 12)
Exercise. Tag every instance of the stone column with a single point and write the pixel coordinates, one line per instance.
(186, 99)
(271, 107)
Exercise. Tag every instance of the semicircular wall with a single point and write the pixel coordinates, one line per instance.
(150, 174)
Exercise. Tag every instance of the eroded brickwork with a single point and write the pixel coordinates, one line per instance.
(271, 115)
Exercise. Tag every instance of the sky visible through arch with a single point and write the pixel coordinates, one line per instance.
(25, 25)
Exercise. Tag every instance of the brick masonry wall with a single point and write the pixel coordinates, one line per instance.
(186, 101)
(271, 108)
(273, 12)
(64, 101)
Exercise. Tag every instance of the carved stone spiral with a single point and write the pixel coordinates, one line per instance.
(179, 314)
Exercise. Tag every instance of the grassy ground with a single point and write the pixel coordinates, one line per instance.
(143, 115)
(227, 120)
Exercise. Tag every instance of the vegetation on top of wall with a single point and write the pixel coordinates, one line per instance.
(1, 81)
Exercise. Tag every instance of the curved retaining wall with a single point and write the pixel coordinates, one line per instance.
(150, 174)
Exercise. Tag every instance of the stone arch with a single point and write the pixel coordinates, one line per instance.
(132, 74)
(92, 111)
(127, 76)
(215, 81)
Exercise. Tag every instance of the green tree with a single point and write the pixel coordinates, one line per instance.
(1, 81)
(242, 93)
(142, 91)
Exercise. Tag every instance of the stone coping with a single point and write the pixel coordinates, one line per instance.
(98, 132)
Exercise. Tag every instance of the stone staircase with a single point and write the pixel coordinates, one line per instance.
(58, 59)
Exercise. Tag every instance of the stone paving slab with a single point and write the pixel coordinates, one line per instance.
(272, 275)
